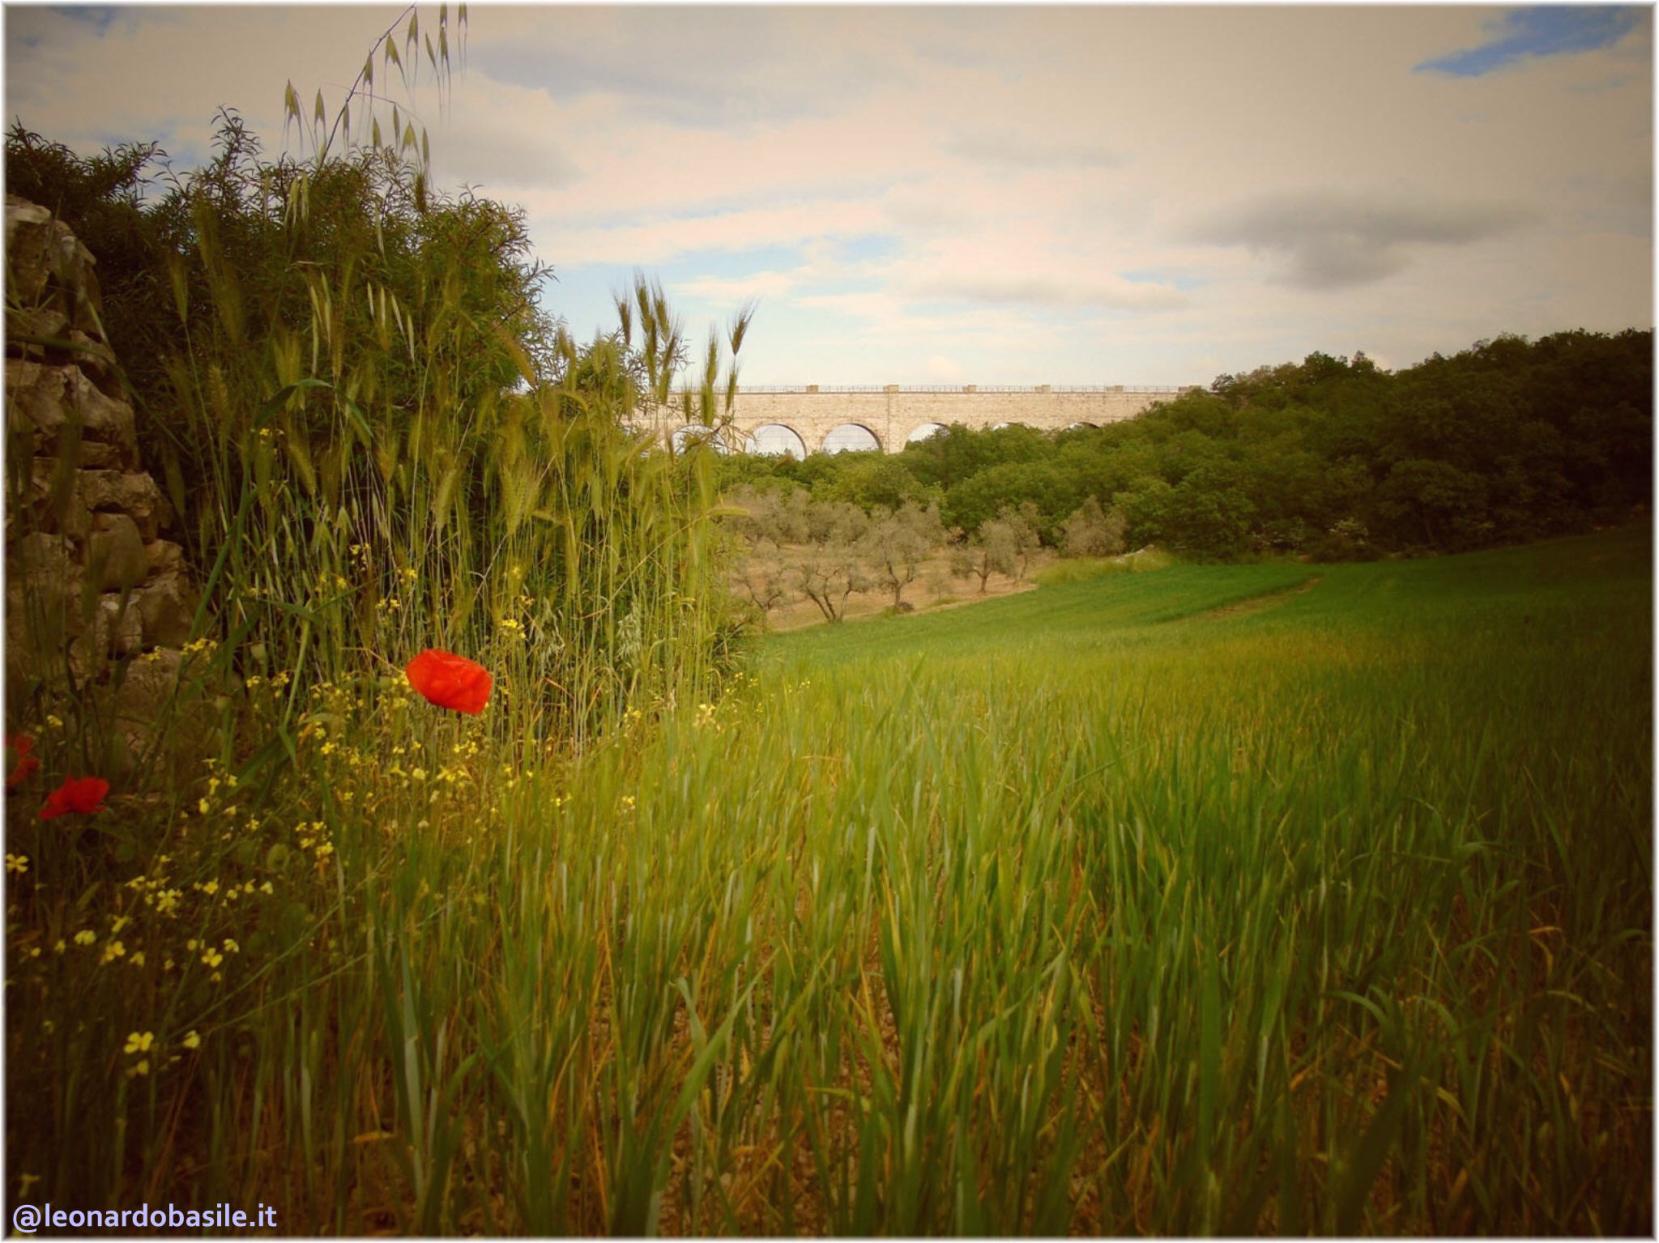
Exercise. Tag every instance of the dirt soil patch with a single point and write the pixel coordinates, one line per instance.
(1260, 604)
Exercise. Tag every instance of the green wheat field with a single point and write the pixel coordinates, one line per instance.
(1260, 898)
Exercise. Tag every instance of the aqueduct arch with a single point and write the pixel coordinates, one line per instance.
(776, 439)
(850, 437)
(801, 419)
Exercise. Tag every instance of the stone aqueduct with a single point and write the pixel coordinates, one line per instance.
(809, 418)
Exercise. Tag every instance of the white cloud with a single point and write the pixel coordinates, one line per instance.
(1090, 194)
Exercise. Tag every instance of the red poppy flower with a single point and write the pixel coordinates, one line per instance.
(450, 681)
(27, 762)
(81, 795)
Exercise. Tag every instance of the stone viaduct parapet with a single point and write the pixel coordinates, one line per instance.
(893, 415)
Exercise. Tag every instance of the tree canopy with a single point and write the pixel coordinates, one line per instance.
(1510, 440)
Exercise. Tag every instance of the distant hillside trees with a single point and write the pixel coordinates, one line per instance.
(1330, 458)
(1092, 532)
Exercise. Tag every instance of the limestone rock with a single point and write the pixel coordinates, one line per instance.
(28, 243)
(165, 557)
(117, 629)
(149, 681)
(45, 398)
(145, 693)
(124, 622)
(115, 553)
(128, 492)
(98, 456)
(57, 514)
(43, 591)
(37, 321)
(167, 604)
(152, 695)
(20, 211)
(96, 359)
(43, 334)
(42, 557)
(42, 251)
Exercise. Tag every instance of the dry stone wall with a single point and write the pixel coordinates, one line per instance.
(97, 595)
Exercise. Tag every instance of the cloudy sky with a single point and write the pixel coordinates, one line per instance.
(1083, 195)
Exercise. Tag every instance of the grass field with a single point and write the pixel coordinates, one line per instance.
(1269, 898)
(1263, 898)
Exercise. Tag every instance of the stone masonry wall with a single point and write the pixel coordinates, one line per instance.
(91, 578)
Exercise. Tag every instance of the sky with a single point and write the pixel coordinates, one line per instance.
(1138, 195)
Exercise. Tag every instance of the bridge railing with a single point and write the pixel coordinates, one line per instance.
(967, 390)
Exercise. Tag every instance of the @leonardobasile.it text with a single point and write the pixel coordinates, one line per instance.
(30, 1218)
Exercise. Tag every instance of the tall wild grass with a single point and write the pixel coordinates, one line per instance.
(1114, 908)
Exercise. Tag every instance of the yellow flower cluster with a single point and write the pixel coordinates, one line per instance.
(314, 838)
(157, 893)
(139, 1045)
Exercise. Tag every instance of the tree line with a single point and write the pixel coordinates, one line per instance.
(1331, 458)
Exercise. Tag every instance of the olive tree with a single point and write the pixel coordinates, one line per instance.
(898, 542)
(1091, 531)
